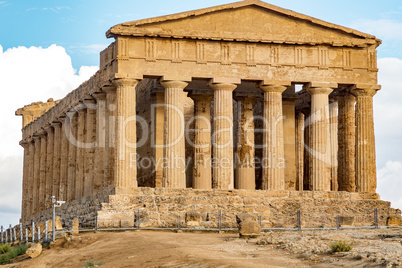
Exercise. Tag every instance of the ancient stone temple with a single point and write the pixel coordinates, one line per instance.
(243, 107)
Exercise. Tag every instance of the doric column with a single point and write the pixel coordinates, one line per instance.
(25, 178)
(366, 177)
(110, 146)
(36, 182)
(64, 147)
(320, 135)
(56, 159)
(71, 132)
(346, 142)
(126, 135)
(158, 129)
(245, 157)
(49, 166)
(223, 177)
(99, 164)
(43, 167)
(273, 176)
(333, 125)
(80, 159)
(89, 147)
(31, 180)
(202, 178)
(299, 151)
(174, 173)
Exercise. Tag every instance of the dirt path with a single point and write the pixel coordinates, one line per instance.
(162, 249)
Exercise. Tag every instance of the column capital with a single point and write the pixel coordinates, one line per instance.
(80, 107)
(173, 84)
(89, 100)
(24, 143)
(201, 95)
(273, 88)
(243, 95)
(48, 128)
(125, 82)
(343, 95)
(361, 90)
(36, 136)
(222, 86)
(56, 124)
(268, 82)
(109, 89)
(99, 96)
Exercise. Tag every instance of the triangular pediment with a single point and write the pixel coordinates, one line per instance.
(250, 20)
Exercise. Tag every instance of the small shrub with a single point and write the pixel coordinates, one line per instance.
(91, 263)
(5, 248)
(12, 253)
(341, 246)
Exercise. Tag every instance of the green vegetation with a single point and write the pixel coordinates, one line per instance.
(341, 246)
(91, 263)
(4, 248)
(12, 252)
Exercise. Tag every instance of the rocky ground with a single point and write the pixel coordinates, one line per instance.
(372, 248)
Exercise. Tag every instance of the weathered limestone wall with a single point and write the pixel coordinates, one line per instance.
(159, 207)
(34, 110)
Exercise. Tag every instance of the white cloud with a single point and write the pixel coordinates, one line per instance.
(89, 49)
(28, 75)
(390, 183)
(382, 28)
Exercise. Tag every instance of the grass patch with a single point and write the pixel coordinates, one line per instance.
(341, 246)
(5, 248)
(12, 253)
(91, 263)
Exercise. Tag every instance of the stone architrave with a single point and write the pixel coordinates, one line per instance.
(71, 132)
(174, 175)
(320, 135)
(126, 135)
(222, 165)
(346, 142)
(80, 159)
(299, 151)
(366, 177)
(333, 125)
(56, 160)
(89, 147)
(273, 174)
(36, 178)
(99, 162)
(245, 163)
(202, 178)
(43, 166)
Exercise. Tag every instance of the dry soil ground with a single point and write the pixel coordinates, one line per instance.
(167, 249)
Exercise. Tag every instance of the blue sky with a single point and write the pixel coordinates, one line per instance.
(47, 48)
(80, 25)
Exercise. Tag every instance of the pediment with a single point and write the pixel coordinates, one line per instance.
(250, 20)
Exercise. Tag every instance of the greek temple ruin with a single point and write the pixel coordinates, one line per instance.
(239, 106)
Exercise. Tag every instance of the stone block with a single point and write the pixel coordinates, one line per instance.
(346, 220)
(393, 221)
(34, 250)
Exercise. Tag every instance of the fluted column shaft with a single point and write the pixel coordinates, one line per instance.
(223, 173)
(110, 145)
(273, 176)
(333, 122)
(99, 162)
(31, 179)
(80, 162)
(299, 151)
(126, 135)
(56, 160)
(42, 176)
(49, 166)
(202, 178)
(64, 147)
(245, 163)
(25, 178)
(320, 138)
(89, 148)
(347, 143)
(71, 132)
(366, 177)
(174, 172)
(36, 184)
